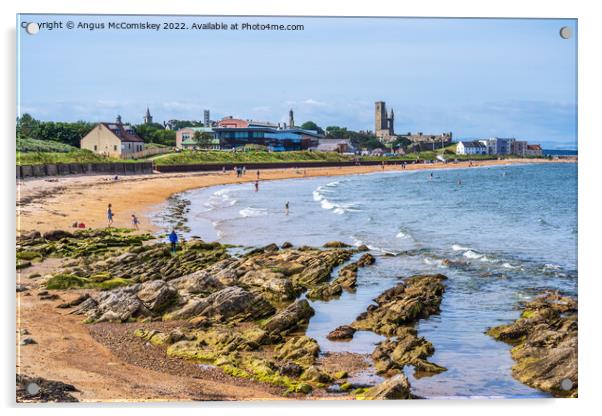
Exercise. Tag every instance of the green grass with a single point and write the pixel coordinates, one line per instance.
(27, 145)
(76, 156)
(217, 157)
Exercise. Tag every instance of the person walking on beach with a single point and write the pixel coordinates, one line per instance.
(256, 186)
(173, 239)
(110, 216)
(223, 170)
(135, 221)
(286, 208)
(257, 174)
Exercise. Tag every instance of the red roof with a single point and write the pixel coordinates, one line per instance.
(533, 147)
(122, 133)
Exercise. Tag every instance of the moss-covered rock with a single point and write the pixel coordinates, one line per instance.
(544, 343)
(302, 350)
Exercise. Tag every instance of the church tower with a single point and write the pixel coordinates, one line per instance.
(291, 119)
(380, 117)
(148, 119)
(391, 123)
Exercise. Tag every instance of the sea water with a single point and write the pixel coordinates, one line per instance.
(500, 234)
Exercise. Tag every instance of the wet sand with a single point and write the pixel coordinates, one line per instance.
(56, 203)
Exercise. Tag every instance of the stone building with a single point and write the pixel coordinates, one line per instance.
(112, 139)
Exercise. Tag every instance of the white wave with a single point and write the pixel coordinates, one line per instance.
(339, 210)
(326, 204)
(458, 247)
(220, 199)
(253, 212)
(333, 184)
(550, 266)
(434, 262)
(472, 254)
(509, 266)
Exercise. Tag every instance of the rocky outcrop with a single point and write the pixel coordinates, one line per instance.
(391, 355)
(231, 304)
(394, 315)
(346, 279)
(395, 388)
(120, 305)
(416, 298)
(343, 332)
(301, 350)
(545, 344)
(293, 316)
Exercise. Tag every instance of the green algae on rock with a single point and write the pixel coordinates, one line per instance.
(394, 315)
(544, 343)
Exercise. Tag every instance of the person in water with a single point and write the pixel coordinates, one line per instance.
(286, 208)
(110, 215)
(256, 186)
(173, 239)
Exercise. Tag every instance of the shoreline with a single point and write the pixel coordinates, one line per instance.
(56, 203)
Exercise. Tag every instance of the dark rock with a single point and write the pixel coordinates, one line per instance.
(56, 235)
(335, 244)
(36, 389)
(290, 370)
(344, 332)
(27, 341)
(286, 245)
(80, 299)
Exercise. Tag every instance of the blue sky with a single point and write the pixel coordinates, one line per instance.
(475, 77)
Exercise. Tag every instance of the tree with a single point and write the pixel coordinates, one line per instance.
(310, 125)
(203, 139)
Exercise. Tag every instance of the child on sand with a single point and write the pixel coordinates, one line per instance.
(110, 216)
(135, 221)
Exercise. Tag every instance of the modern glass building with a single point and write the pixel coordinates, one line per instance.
(274, 139)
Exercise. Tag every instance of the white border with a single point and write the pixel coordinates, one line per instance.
(590, 137)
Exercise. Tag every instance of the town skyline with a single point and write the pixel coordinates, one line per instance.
(438, 74)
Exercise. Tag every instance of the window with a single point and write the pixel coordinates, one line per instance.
(95, 148)
(115, 148)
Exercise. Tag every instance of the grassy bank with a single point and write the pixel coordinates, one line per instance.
(75, 156)
(217, 157)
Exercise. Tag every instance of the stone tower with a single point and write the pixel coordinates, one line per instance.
(380, 117)
(206, 119)
(391, 123)
(291, 119)
(148, 119)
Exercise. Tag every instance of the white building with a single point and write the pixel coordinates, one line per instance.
(471, 148)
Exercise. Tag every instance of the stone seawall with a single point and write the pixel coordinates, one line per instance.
(28, 171)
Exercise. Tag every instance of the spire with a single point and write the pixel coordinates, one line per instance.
(291, 119)
(148, 119)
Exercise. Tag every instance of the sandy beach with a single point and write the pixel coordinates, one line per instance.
(56, 203)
